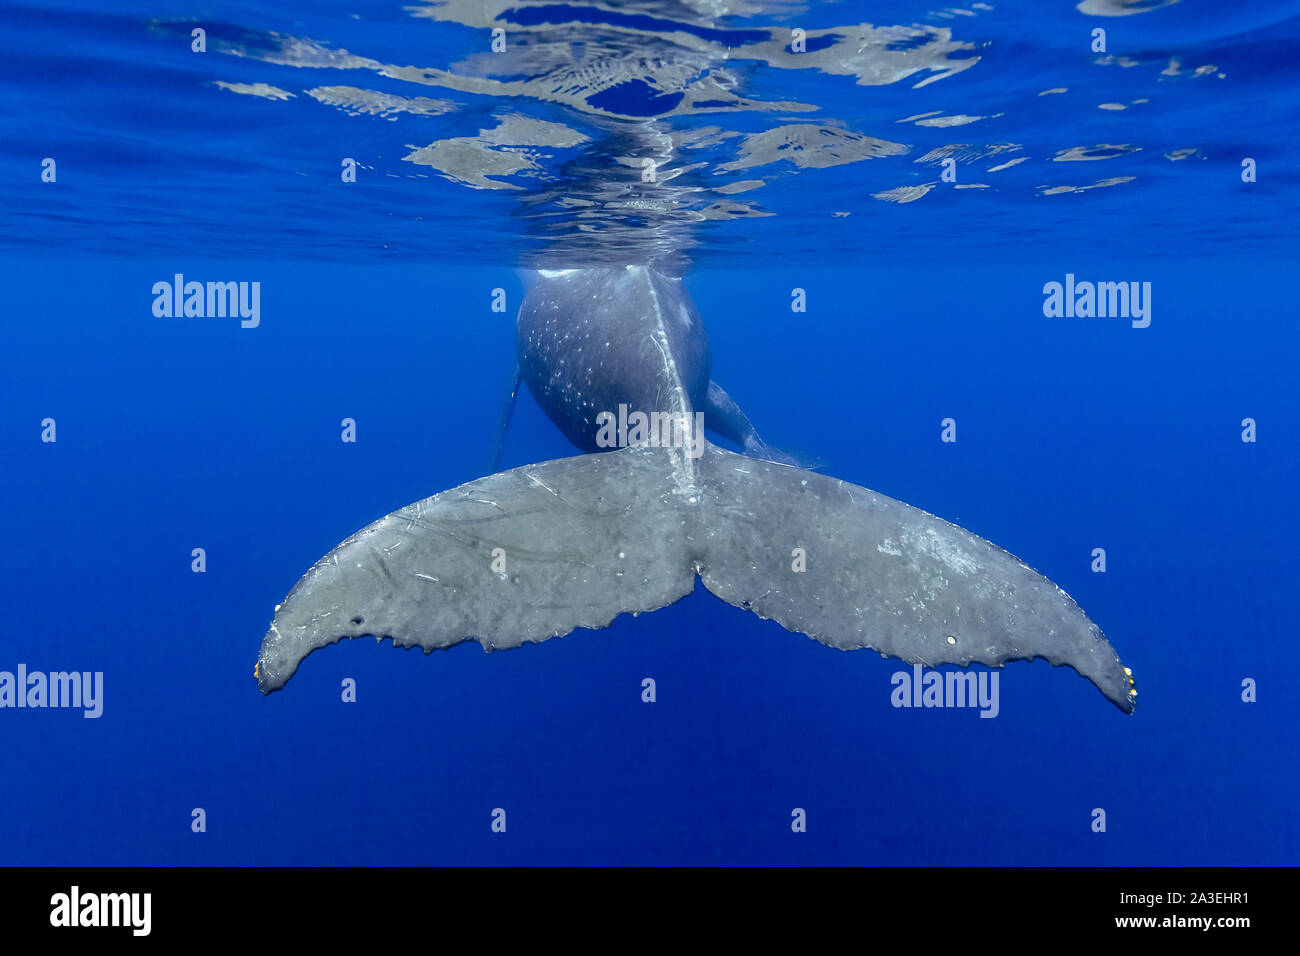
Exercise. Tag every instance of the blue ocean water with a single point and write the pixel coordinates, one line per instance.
(1162, 158)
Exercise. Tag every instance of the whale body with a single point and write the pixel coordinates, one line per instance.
(592, 340)
(535, 552)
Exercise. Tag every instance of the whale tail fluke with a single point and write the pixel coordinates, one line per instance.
(538, 551)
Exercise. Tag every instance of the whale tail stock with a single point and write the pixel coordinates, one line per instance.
(535, 552)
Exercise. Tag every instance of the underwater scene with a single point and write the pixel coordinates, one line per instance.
(778, 391)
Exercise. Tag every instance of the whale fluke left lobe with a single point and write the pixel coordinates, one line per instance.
(513, 558)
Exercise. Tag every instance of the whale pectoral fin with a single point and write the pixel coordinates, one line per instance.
(515, 557)
(882, 574)
(724, 417)
(506, 414)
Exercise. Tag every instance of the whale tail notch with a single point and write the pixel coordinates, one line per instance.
(538, 551)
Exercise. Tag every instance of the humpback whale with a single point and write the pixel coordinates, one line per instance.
(535, 552)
